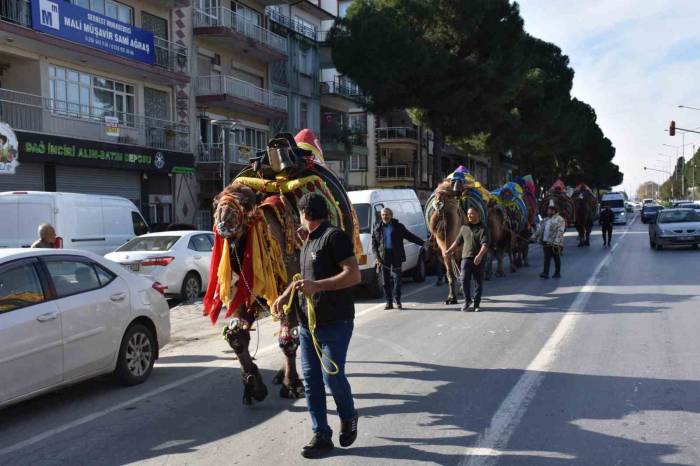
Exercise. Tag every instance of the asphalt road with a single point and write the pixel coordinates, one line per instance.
(599, 367)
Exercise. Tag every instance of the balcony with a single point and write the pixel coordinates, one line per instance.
(397, 137)
(343, 88)
(394, 172)
(169, 4)
(16, 11)
(29, 112)
(290, 23)
(322, 36)
(247, 36)
(239, 95)
(171, 64)
(213, 153)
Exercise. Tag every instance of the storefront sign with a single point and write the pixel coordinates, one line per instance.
(77, 24)
(112, 126)
(9, 157)
(34, 147)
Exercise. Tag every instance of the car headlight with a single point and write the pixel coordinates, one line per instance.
(622, 214)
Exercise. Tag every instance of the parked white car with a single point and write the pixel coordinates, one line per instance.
(68, 315)
(179, 260)
(94, 223)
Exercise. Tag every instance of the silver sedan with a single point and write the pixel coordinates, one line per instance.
(675, 227)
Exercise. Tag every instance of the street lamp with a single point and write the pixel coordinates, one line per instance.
(227, 126)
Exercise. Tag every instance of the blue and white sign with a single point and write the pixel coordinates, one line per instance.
(77, 24)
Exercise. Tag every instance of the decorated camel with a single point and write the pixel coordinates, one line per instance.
(517, 199)
(585, 206)
(256, 251)
(445, 213)
(558, 194)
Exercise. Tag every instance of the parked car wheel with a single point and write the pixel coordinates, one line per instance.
(659, 247)
(191, 287)
(137, 355)
(651, 244)
(419, 269)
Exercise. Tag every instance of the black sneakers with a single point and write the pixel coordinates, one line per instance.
(348, 432)
(398, 305)
(318, 447)
(388, 306)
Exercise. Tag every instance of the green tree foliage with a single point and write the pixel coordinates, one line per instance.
(457, 61)
(467, 70)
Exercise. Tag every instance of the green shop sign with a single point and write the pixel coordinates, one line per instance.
(45, 148)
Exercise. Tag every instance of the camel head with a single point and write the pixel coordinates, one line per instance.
(234, 207)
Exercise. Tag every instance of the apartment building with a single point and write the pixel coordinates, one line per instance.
(94, 97)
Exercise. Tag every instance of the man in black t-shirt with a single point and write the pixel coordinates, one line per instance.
(329, 270)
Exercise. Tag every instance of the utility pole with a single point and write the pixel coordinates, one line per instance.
(227, 127)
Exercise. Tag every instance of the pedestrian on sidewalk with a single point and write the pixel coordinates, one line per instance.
(329, 269)
(550, 234)
(474, 238)
(47, 237)
(607, 219)
(387, 245)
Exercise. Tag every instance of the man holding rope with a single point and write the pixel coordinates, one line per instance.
(329, 269)
(550, 234)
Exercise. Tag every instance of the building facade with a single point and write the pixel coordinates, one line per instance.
(91, 90)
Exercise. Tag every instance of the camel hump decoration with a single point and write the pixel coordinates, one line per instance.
(558, 194)
(256, 252)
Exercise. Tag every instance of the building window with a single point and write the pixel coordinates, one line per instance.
(110, 8)
(358, 162)
(159, 212)
(304, 27)
(82, 95)
(304, 64)
(303, 115)
(249, 14)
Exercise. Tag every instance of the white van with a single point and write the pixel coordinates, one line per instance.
(407, 210)
(616, 202)
(94, 223)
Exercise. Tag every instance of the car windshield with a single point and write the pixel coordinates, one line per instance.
(652, 208)
(363, 216)
(150, 243)
(678, 216)
(612, 203)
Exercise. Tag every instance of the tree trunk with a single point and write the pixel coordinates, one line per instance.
(437, 154)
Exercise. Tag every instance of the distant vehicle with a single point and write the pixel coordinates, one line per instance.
(179, 260)
(649, 212)
(675, 227)
(94, 223)
(68, 315)
(648, 201)
(407, 210)
(687, 205)
(616, 202)
(629, 207)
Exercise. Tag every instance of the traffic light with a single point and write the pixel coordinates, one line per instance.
(672, 129)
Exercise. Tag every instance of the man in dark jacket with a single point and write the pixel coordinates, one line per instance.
(607, 218)
(387, 245)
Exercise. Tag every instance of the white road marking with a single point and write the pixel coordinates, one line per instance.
(91, 417)
(511, 411)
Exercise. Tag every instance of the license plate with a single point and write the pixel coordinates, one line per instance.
(686, 238)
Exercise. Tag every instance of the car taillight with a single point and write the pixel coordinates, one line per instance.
(159, 288)
(155, 261)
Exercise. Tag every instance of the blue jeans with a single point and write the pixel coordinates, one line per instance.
(392, 283)
(334, 339)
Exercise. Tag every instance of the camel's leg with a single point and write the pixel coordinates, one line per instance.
(526, 254)
(292, 386)
(253, 386)
(499, 264)
(451, 280)
(489, 266)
